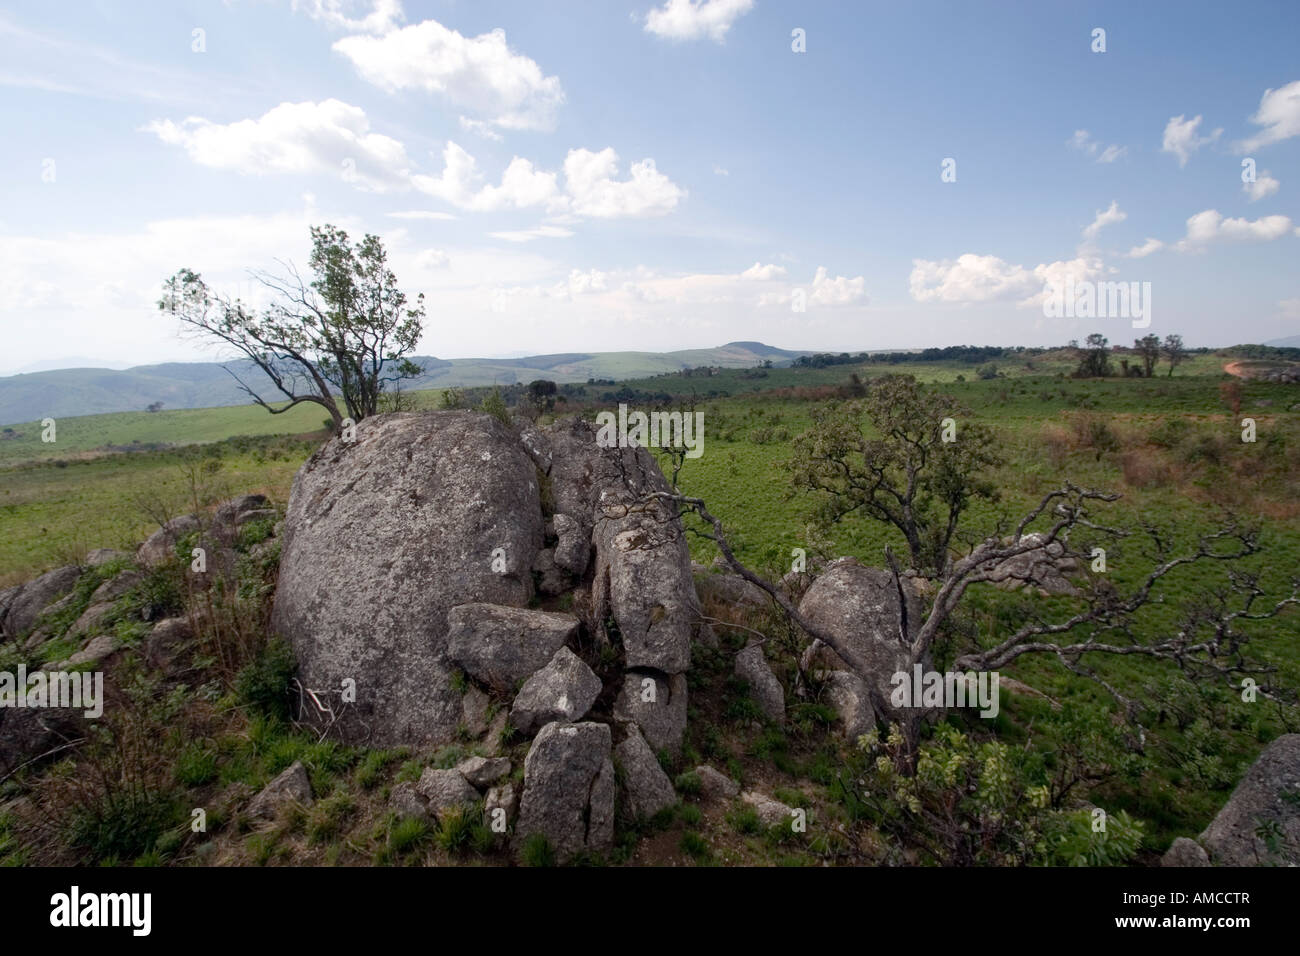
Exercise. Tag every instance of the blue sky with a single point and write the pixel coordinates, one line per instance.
(654, 175)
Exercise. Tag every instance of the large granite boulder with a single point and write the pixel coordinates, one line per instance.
(383, 537)
(1260, 823)
(863, 608)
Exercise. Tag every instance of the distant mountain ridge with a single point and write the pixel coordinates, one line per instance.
(91, 391)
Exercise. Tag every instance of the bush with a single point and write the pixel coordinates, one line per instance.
(264, 684)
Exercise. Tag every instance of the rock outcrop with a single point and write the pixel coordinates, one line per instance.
(1266, 801)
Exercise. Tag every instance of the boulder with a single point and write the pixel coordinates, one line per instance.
(1045, 567)
(445, 790)
(563, 690)
(647, 787)
(116, 586)
(21, 606)
(229, 515)
(28, 733)
(848, 694)
(751, 666)
(383, 537)
(406, 801)
(569, 789)
(90, 618)
(1268, 796)
(169, 647)
(96, 650)
(483, 771)
(771, 813)
(501, 646)
(551, 579)
(291, 786)
(657, 704)
(861, 607)
(731, 589)
(643, 571)
(715, 785)
(573, 545)
(160, 547)
(102, 556)
(1185, 852)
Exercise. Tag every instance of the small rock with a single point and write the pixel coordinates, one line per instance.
(445, 789)
(482, 771)
(563, 690)
(168, 646)
(160, 547)
(767, 692)
(501, 797)
(715, 785)
(501, 646)
(551, 579)
(406, 801)
(656, 703)
(848, 694)
(647, 786)
(474, 707)
(1185, 852)
(102, 556)
(116, 586)
(771, 812)
(291, 786)
(573, 545)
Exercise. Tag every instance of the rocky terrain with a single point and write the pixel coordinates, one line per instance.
(446, 580)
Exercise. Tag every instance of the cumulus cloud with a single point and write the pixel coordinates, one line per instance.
(1279, 114)
(973, 278)
(1264, 185)
(695, 19)
(459, 184)
(763, 273)
(1105, 218)
(1210, 226)
(330, 136)
(1144, 250)
(367, 16)
(480, 75)
(589, 180)
(838, 290)
(1082, 140)
(1181, 137)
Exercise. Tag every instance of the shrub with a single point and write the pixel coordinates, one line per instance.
(264, 684)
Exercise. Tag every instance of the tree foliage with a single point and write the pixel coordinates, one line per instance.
(346, 333)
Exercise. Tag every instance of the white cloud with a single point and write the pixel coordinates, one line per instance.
(973, 278)
(480, 75)
(694, 19)
(528, 235)
(420, 214)
(1082, 140)
(593, 190)
(378, 16)
(763, 273)
(1181, 138)
(326, 137)
(721, 171)
(1210, 226)
(480, 128)
(837, 291)
(432, 259)
(1279, 114)
(1144, 250)
(521, 186)
(1264, 185)
(1104, 219)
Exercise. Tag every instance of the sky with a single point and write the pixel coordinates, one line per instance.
(655, 174)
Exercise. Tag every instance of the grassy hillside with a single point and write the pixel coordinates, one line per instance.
(89, 391)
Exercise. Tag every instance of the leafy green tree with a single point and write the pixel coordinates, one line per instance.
(1148, 347)
(346, 333)
(1174, 351)
(889, 457)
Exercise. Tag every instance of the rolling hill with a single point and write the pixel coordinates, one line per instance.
(69, 392)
